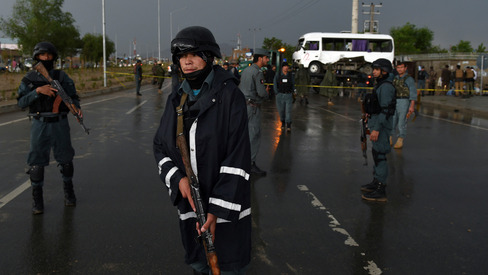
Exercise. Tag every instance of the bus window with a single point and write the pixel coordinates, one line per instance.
(360, 45)
(312, 45)
(380, 45)
(333, 44)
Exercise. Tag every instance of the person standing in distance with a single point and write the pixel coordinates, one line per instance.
(49, 128)
(138, 76)
(215, 127)
(284, 87)
(379, 113)
(252, 86)
(405, 103)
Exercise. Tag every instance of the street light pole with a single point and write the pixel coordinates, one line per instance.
(159, 32)
(171, 22)
(104, 46)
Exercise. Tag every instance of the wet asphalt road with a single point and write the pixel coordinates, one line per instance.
(308, 216)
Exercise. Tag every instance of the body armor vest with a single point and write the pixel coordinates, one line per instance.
(469, 74)
(372, 105)
(400, 87)
(45, 103)
(285, 84)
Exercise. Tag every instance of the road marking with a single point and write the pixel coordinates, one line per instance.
(12, 195)
(135, 108)
(456, 122)
(13, 121)
(432, 117)
(371, 266)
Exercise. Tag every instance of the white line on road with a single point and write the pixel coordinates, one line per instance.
(12, 195)
(13, 121)
(135, 108)
(372, 268)
(432, 117)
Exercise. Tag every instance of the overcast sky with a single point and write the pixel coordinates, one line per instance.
(126, 20)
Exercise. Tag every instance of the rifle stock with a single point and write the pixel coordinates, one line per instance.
(68, 101)
(197, 200)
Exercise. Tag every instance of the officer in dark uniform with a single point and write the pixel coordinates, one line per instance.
(50, 128)
(380, 112)
(138, 76)
(284, 87)
(214, 120)
(252, 86)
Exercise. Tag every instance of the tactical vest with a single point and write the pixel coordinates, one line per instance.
(469, 73)
(44, 103)
(401, 87)
(285, 84)
(372, 105)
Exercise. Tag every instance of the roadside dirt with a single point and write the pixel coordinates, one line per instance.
(85, 79)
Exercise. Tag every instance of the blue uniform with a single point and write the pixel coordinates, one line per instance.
(48, 129)
(382, 123)
(403, 100)
(252, 86)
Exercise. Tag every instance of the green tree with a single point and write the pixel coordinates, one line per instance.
(276, 44)
(410, 39)
(34, 21)
(481, 48)
(92, 50)
(462, 47)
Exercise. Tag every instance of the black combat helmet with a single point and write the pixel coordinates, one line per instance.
(45, 47)
(383, 64)
(194, 39)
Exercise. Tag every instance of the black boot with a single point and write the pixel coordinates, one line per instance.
(255, 170)
(283, 125)
(306, 101)
(377, 195)
(288, 127)
(69, 194)
(38, 204)
(370, 187)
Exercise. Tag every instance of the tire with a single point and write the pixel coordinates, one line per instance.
(315, 68)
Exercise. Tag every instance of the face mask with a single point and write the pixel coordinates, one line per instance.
(48, 64)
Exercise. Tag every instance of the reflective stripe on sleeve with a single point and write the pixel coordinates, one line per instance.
(225, 204)
(167, 179)
(234, 171)
(187, 215)
(242, 215)
(162, 162)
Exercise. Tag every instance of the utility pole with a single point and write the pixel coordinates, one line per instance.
(159, 32)
(372, 12)
(104, 47)
(354, 21)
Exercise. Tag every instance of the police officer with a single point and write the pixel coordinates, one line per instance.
(380, 111)
(50, 128)
(138, 76)
(252, 85)
(405, 103)
(215, 123)
(284, 87)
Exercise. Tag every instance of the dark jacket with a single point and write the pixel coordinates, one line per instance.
(220, 154)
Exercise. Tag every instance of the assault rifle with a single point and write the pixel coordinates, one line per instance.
(62, 94)
(195, 192)
(364, 133)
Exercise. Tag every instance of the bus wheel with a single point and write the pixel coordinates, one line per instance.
(315, 68)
